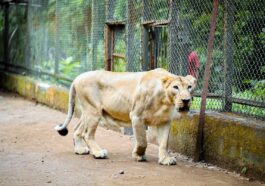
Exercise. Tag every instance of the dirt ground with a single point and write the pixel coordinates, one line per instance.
(32, 153)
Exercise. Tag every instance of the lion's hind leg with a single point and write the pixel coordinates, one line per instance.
(80, 147)
(91, 124)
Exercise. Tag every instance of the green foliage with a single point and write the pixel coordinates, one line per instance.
(119, 65)
(255, 92)
(69, 67)
(1, 20)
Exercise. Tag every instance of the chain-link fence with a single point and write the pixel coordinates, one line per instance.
(57, 40)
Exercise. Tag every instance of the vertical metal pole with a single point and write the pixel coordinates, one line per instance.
(145, 38)
(152, 49)
(156, 44)
(28, 35)
(6, 36)
(94, 32)
(228, 52)
(130, 36)
(57, 40)
(198, 155)
(145, 51)
(107, 48)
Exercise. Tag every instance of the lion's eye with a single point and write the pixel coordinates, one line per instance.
(176, 87)
(189, 87)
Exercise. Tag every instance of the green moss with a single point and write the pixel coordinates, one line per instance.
(21, 85)
(183, 134)
(61, 100)
(30, 88)
(40, 94)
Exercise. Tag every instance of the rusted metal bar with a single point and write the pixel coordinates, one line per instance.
(112, 39)
(122, 56)
(145, 51)
(198, 155)
(148, 23)
(156, 23)
(116, 23)
(161, 23)
(210, 95)
(107, 48)
(156, 45)
(248, 102)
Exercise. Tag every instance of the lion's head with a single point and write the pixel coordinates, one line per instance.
(179, 89)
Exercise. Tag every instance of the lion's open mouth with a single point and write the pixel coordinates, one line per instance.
(184, 109)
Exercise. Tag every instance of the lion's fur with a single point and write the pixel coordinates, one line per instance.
(128, 98)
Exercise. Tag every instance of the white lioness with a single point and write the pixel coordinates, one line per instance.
(151, 98)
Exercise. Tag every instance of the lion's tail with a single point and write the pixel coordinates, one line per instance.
(62, 128)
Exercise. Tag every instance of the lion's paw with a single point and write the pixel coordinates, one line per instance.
(168, 161)
(82, 150)
(102, 154)
(138, 158)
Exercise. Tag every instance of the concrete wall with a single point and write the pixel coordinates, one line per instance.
(230, 141)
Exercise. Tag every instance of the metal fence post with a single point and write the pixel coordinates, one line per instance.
(108, 47)
(198, 155)
(228, 52)
(131, 66)
(145, 38)
(6, 36)
(94, 33)
(57, 40)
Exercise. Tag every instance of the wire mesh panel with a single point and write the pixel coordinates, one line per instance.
(17, 34)
(155, 10)
(37, 37)
(119, 50)
(116, 10)
(248, 34)
(66, 37)
(2, 23)
(97, 35)
(133, 35)
(71, 40)
(162, 47)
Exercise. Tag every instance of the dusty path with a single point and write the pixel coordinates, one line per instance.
(32, 153)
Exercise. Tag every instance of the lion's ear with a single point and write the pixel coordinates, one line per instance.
(166, 80)
(192, 79)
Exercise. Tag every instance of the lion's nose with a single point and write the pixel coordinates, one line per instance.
(185, 101)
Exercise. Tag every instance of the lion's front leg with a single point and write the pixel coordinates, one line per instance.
(162, 139)
(140, 139)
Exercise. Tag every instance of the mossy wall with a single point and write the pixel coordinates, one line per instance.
(53, 96)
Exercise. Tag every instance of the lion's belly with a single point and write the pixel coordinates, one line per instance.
(117, 106)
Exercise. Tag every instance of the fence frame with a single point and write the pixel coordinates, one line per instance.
(109, 34)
